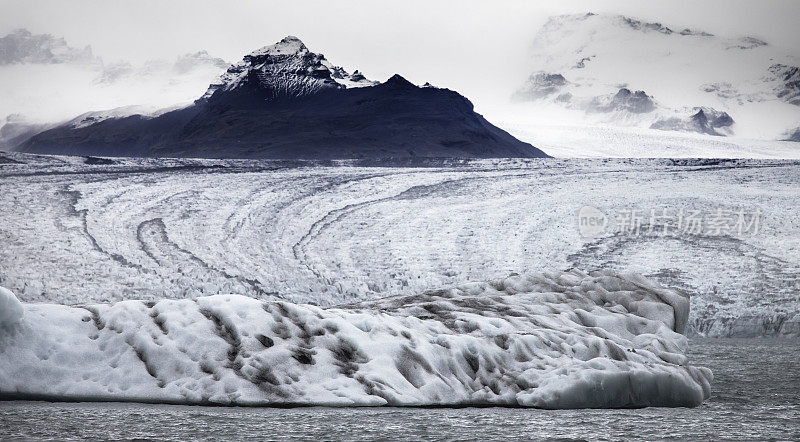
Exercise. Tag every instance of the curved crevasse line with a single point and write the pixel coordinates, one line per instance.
(74, 198)
(332, 217)
(153, 231)
(249, 210)
(336, 215)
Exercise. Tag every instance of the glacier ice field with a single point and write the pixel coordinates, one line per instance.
(86, 230)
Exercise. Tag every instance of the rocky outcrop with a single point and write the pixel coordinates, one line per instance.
(792, 135)
(788, 88)
(624, 100)
(540, 85)
(704, 120)
(623, 71)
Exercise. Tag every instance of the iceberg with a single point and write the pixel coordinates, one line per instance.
(10, 309)
(547, 340)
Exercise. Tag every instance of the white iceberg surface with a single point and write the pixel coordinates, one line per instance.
(550, 340)
(10, 309)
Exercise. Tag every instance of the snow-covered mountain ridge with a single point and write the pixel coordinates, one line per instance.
(582, 63)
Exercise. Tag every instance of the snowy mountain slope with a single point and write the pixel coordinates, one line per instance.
(557, 340)
(17, 129)
(584, 62)
(89, 118)
(581, 140)
(283, 101)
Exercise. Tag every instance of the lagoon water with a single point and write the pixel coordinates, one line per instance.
(756, 395)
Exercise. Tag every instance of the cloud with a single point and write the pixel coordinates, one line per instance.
(183, 65)
(44, 80)
(21, 46)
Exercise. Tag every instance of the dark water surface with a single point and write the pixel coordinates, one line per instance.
(756, 396)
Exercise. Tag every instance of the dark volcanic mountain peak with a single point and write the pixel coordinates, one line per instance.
(397, 80)
(284, 101)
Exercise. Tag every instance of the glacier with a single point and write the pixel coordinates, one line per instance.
(89, 230)
(548, 340)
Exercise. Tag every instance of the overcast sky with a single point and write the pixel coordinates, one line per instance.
(419, 38)
(465, 45)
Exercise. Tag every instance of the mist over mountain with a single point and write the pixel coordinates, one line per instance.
(182, 65)
(21, 46)
(46, 81)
